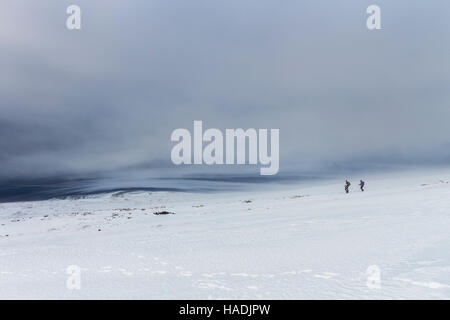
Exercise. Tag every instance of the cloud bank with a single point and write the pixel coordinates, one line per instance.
(107, 97)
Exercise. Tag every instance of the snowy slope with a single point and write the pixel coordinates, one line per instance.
(305, 242)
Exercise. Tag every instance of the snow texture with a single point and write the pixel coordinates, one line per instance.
(305, 241)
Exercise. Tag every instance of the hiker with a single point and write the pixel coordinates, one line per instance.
(361, 184)
(347, 184)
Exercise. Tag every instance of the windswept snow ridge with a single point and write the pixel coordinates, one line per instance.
(304, 242)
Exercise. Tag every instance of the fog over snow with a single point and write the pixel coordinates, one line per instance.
(86, 178)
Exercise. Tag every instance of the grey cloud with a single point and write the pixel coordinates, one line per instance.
(109, 96)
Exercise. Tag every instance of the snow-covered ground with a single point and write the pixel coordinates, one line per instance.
(302, 242)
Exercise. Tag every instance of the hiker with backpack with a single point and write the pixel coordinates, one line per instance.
(347, 185)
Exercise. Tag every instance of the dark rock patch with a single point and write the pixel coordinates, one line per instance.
(162, 213)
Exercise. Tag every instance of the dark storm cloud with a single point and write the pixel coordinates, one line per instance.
(108, 96)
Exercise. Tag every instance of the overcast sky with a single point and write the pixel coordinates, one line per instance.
(108, 96)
